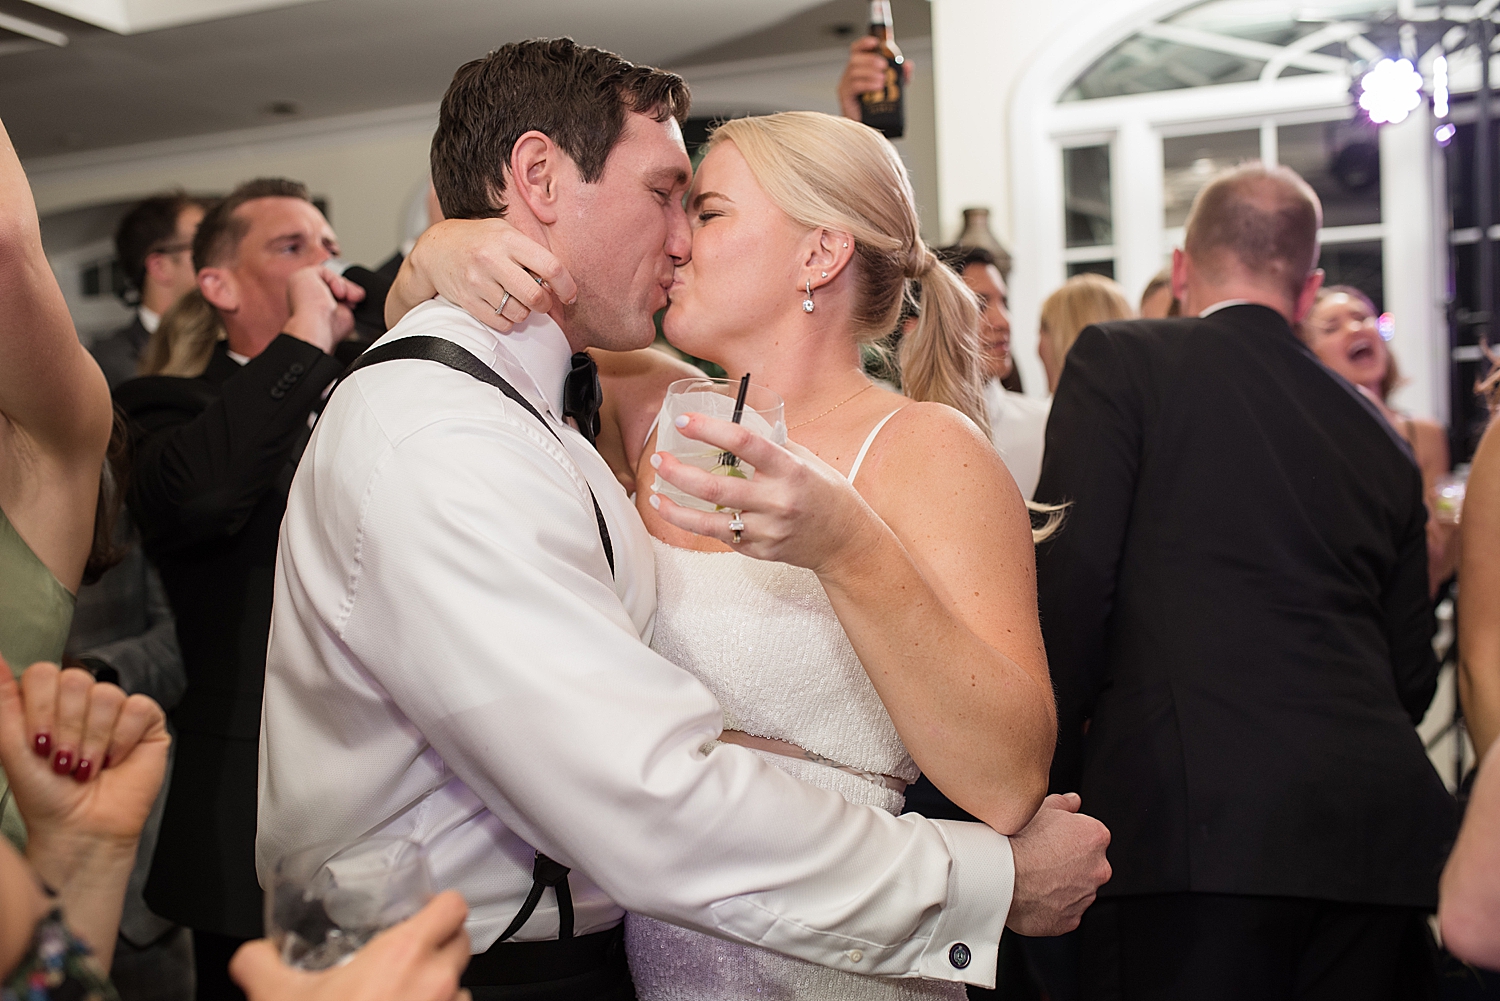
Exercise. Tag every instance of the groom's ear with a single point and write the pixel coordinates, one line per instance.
(536, 175)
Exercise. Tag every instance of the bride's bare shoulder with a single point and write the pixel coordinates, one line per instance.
(929, 451)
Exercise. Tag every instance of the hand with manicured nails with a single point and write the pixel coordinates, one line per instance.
(85, 762)
(865, 72)
(798, 509)
(420, 959)
(473, 263)
(83, 758)
(1060, 865)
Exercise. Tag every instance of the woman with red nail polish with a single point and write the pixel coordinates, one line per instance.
(83, 823)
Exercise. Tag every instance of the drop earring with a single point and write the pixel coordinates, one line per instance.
(807, 304)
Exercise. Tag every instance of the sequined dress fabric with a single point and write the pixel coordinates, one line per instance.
(765, 640)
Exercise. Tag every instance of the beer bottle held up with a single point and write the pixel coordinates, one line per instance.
(885, 109)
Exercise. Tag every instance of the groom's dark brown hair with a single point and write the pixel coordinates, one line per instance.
(576, 95)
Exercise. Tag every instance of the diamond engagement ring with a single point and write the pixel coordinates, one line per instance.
(736, 526)
(503, 302)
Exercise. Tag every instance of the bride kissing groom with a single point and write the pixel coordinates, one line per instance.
(583, 702)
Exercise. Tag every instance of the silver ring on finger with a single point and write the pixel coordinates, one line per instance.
(503, 301)
(736, 527)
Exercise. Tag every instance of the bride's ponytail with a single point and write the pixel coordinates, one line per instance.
(941, 360)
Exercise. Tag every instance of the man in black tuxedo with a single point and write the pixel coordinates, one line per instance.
(154, 245)
(1237, 622)
(214, 457)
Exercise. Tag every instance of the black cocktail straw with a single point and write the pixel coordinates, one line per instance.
(729, 458)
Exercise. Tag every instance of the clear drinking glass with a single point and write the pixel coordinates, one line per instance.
(325, 902)
(763, 414)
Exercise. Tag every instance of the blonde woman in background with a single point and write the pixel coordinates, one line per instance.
(184, 340)
(1019, 424)
(1084, 300)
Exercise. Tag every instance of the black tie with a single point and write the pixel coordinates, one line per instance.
(582, 395)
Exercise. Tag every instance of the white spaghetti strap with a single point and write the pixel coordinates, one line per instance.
(655, 422)
(865, 449)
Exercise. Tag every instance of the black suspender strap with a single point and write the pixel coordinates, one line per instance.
(445, 352)
(545, 873)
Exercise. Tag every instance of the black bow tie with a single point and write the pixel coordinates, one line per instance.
(582, 396)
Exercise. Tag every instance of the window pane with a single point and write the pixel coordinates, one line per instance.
(1461, 154)
(1190, 162)
(1341, 160)
(1357, 264)
(1105, 268)
(1090, 216)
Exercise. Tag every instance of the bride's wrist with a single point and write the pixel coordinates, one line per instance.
(861, 553)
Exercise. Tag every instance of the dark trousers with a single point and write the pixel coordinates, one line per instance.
(161, 971)
(211, 955)
(588, 968)
(1202, 945)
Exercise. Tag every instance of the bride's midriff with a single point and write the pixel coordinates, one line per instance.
(789, 750)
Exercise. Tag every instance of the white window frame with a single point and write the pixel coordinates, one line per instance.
(1411, 231)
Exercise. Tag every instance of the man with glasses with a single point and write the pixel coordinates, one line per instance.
(154, 244)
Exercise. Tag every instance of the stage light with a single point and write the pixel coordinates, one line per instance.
(1386, 325)
(1444, 133)
(1440, 87)
(1391, 91)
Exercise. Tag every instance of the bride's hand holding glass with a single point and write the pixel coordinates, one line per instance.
(796, 509)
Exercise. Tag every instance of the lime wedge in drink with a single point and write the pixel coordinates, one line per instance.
(727, 470)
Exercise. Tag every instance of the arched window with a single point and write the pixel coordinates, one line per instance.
(1114, 132)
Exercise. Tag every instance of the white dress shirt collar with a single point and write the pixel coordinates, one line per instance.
(542, 349)
(1210, 311)
(150, 318)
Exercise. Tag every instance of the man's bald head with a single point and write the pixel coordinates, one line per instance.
(1256, 223)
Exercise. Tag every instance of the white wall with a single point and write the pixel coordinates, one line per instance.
(980, 50)
(807, 81)
(365, 165)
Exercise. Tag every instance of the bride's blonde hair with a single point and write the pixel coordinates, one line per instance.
(837, 174)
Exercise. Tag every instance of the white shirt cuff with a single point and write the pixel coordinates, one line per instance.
(965, 945)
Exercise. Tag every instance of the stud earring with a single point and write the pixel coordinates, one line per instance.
(807, 304)
(825, 274)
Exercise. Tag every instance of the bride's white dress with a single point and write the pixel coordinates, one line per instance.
(765, 640)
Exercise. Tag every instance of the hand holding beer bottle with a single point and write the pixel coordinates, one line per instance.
(872, 89)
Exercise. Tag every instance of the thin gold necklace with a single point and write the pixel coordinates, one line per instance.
(868, 385)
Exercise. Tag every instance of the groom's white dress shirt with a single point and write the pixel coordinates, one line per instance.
(451, 661)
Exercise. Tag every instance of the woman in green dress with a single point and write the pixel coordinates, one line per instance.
(55, 420)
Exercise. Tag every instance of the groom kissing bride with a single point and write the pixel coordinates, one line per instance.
(464, 645)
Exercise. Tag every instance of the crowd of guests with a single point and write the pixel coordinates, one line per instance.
(1235, 584)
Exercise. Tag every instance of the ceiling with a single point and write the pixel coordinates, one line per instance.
(311, 59)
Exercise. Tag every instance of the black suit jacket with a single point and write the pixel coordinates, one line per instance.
(213, 462)
(1237, 604)
(119, 353)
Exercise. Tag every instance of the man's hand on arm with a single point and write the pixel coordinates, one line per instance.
(1060, 866)
(321, 303)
